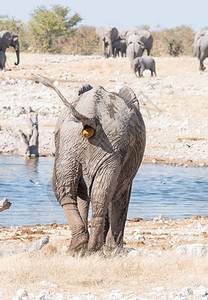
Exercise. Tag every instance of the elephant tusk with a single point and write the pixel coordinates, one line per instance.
(88, 132)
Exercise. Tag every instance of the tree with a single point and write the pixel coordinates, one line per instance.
(10, 24)
(47, 27)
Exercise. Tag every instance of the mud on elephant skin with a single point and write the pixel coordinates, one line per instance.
(99, 167)
(9, 39)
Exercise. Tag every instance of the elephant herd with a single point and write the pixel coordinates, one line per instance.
(7, 39)
(132, 43)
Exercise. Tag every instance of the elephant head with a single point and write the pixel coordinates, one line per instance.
(134, 50)
(108, 36)
(7, 39)
(142, 36)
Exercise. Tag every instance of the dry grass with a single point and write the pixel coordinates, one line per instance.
(141, 273)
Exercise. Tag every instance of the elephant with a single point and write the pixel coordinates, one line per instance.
(144, 36)
(2, 60)
(140, 64)
(135, 49)
(119, 46)
(7, 39)
(99, 142)
(201, 48)
(107, 35)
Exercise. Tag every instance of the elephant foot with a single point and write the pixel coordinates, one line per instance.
(79, 243)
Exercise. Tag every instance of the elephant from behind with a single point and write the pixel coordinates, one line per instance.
(10, 39)
(107, 36)
(100, 142)
(201, 48)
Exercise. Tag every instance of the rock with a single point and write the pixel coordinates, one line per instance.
(192, 249)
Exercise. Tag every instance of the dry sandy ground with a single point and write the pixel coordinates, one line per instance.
(175, 108)
(174, 104)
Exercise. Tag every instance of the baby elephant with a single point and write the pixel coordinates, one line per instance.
(140, 64)
(2, 60)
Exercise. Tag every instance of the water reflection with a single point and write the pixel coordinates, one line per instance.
(174, 192)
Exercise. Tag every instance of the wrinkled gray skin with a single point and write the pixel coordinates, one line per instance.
(99, 169)
(107, 36)
(144, 36)
(2, 60)
(135, 48)
(9, 39)
(119, 46)
(201, 48)
(140, 64)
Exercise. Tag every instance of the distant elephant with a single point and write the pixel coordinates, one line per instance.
(7, 39)
(201, 48)
(140, 64)
(2, 60)
(100, 141)
(144, 36)
(108, 36)
(135, 49)
(119, 46)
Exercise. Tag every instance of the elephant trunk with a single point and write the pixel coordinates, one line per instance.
(17, 53)
(110, 50)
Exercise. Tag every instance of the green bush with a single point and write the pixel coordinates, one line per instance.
(49, 28)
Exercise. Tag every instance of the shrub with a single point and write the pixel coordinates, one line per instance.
(49, 28)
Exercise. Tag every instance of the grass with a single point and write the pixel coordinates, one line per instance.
(141, 273)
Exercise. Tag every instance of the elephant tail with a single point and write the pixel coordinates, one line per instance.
(82, 118)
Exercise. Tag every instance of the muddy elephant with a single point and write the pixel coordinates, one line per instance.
(107, 36)
(135, 48)
(2, 60)
(9, 39)
(201, 48)
(119, 46)
(140, 64)
(100, 141)
(144, 36)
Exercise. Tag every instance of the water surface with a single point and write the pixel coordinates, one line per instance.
(173, 192)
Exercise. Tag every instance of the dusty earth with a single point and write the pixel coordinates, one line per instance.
(165, 259)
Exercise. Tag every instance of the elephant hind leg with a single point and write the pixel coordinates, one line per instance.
(79, 232)
(117, 216)
(201, 66)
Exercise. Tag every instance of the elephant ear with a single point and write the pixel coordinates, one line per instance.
(128, 94)
(7, 39)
